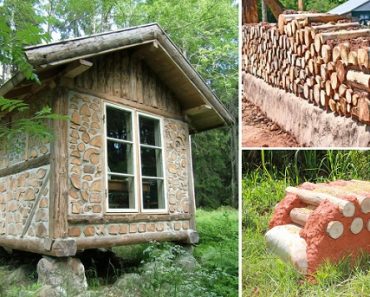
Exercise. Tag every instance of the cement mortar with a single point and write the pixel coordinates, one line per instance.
(311, 125)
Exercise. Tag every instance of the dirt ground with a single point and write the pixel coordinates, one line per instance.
(259, 131)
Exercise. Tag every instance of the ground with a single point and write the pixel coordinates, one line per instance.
(259, 131)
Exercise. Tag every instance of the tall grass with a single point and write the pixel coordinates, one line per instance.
(266, 175)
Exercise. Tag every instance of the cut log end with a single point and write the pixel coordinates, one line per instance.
(335, 229)
(357, 225)
(349, 209)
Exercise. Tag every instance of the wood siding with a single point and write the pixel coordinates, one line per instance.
(123, 74)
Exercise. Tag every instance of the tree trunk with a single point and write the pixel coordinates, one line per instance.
(264, 11)
(250, 11)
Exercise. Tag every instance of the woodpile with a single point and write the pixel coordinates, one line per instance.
(319, 57)
(318, 222)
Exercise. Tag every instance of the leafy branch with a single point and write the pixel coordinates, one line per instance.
(36, 125)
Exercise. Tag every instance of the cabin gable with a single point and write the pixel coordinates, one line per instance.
(124, 75)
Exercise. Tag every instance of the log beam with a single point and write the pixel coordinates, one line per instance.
(111, 241)
(76, 68)
(128, 218)
(315, 198)
(26, 165)
(44, 246)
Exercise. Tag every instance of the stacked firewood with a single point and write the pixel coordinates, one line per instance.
(322, 58)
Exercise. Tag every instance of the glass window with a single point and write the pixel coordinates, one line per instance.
(153, 194)
(120, 159)
(119, 124)
(151, 163)
(122, 175)
(121, 191)
(150, 131)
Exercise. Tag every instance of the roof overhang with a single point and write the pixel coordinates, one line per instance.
(348, 6)
(200, 105)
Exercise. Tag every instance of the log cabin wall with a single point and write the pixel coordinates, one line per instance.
(123, 76)
(24, 184)
(324, 59)
(24, 148)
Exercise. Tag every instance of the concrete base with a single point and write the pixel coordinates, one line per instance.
(285, 242)
(311, 125)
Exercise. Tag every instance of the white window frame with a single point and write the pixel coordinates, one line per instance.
(134, 175)
(136, 145)
(141, 177)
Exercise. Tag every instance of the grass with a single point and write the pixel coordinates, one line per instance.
(266, 275)
(152, 269)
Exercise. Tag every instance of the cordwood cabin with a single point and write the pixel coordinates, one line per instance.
(119, 171)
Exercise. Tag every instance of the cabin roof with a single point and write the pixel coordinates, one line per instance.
(348, 6)
(201, 106)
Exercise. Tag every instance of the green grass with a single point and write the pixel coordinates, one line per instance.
(266, 275)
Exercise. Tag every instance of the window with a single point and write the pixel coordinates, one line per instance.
(120, 159)
(151, 163)
(128, 132)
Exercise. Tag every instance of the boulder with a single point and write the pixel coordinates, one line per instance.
(61, 277)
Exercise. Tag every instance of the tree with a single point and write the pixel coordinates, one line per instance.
(20, 25)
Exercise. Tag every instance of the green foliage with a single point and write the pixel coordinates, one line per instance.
(35, 125)
(20, 25)
(266, 175)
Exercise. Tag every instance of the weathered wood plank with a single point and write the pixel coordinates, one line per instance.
(35, 205)
(124, 74)
(129, 103)
(110, 241)
(26, 165)
(125, 218)
(58, 200)
(45, 246)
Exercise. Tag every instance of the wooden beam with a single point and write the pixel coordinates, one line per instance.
(35, 205)
(108, 218)
(26, 165)
(58, 200)
(347, 208)
(76, 68)
(10, 84)
(197, 110)
(191, 190)
(250, 11)
(44, 246)
(110, 241)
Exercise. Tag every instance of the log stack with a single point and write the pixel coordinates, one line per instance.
(319, 222)
(319, 57)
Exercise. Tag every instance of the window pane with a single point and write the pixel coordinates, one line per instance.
(121, 192)
(120, 157)
(119, 124)
(153, 194)
(149, 131)
(151, 162)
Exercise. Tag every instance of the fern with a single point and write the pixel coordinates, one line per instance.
(36, 125)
